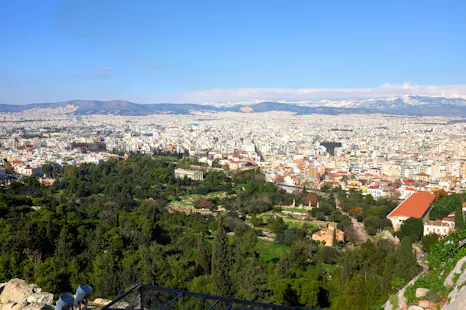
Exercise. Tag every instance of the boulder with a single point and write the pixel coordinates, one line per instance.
(38, 307)
(415, 308)
(41, 298)
(421, 292)
(424, 303)
(433, 297)
(458, 302)
(12, 306)
(103, 302)
(17, 291)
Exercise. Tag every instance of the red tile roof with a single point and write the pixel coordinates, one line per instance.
(415, 205)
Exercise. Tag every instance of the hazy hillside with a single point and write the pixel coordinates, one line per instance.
(405, 105)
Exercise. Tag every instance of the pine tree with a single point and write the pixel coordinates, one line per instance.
(406, 264)
(334, 241)
(202, 257)
(221, 281)
(459, 219)
(64, 249)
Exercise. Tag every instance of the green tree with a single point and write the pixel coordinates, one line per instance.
(444, 205)
(358, 294)
(406, 264)
(221, 281)
(45, 275)
(459, 219)
(64, 249)
(334, 240)
(327, 255)
(428, 241)
(411, 227)
(105, 275)
(202, 257)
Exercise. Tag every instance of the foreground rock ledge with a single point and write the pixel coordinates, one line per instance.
(17, 294)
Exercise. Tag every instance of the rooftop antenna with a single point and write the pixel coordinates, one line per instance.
(83, 293)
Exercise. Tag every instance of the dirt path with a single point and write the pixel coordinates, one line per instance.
(359, 228)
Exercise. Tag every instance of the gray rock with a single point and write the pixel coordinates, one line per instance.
(421, 292)
(433, 297)
(17, 291)
(449, 281)
(415, 308)
(459, 301)
(40, 298)
(462, 279)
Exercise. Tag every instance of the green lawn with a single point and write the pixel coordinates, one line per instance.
(58, 193)
(295, 210)
(269, 251)
(329, 268)
(189, 200)
(172, 158)
(294, 224)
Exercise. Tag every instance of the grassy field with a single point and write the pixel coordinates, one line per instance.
(58, 193)
(189, 200)
(172, 158)
(269, 251)
(329, 268)
(310, 227)
(295, 210)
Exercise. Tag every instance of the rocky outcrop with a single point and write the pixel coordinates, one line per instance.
(401, 295)
(16, 294)
(457, 298)
(17, 291)
(449, 281)
(100, 302)
(40, 298)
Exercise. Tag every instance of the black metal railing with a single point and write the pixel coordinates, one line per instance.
(144, 296)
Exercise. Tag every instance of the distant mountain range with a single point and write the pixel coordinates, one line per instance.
(404, 105)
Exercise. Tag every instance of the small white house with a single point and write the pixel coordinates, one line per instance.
(438, 227)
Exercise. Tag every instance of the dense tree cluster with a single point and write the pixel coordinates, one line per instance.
(107, 225)
(368, 210)
(413, 228)
(444, 205)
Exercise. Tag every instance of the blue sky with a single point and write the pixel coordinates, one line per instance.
(201, 50)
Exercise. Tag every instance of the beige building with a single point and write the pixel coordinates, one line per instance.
(190, 174)
(325, 235)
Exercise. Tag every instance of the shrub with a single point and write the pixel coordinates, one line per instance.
(394, 301)
(410, 294)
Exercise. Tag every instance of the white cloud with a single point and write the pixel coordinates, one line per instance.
(308, 94)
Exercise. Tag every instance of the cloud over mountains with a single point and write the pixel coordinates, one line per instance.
(308, 94)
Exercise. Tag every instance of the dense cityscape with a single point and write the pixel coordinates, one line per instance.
(381, 155)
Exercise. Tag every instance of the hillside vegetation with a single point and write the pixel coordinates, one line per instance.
(108, 225)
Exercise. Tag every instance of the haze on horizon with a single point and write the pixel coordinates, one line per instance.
(215, 51)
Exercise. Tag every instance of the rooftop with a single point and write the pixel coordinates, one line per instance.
(415, 205)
